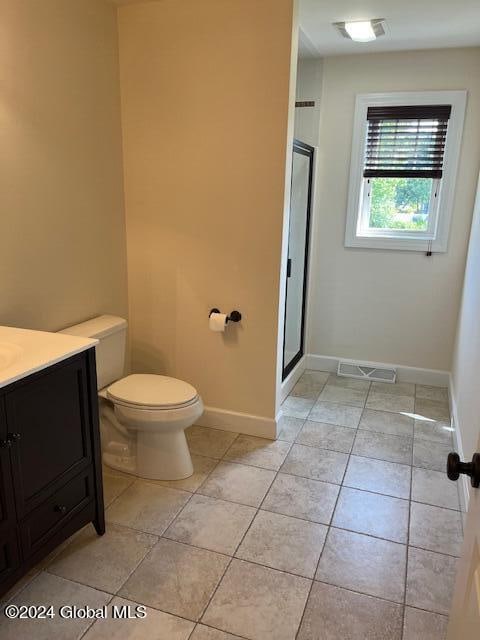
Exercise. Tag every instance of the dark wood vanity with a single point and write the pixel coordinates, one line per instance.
(50, 462)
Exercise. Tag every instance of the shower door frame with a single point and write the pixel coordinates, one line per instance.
(307, 150)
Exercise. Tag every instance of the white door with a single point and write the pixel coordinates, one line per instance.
(465, 613)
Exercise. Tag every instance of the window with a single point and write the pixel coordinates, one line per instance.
(404, 159)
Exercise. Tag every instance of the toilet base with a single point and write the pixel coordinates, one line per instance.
(160, 456)
(149, 444)
(163, 456)
(120, 463)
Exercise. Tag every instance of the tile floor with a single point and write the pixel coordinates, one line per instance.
(345, 527)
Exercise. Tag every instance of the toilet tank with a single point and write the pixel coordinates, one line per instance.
(111, 332)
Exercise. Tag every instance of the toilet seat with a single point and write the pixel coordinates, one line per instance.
(152, 393)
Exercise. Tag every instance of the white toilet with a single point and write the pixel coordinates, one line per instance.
(143, 417)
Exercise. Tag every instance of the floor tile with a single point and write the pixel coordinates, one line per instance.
(259, 452)
(238, 483)
(365, 564)
(438, 394)
(212, 443)
(49, 558)
(208, 633)
(432, 410)
(390, 402)
(423, 625)
(433, 487)
(395, 424)
(318, 464)
(348, 383)
(430, 455)
(383, 447)
(284, 543)
(202, 467)
(302, 498)
(176, 578)
(378, 476)
(396, 389)
(373, 514)
(310, 384)
(46, 589)
(288, 428)
(336, 614)
(258, 603)
(340, 414)
(297, 407)
(114, 485)
(436, 529)
(433, 431)
(147, 507)
(430, 580)
(155, 626)
(332, 393)
(326, 436)
(212, 524)
(104, 562)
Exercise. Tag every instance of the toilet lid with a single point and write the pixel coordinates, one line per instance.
(150, 390)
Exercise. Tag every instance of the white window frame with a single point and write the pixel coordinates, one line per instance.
(436, 237)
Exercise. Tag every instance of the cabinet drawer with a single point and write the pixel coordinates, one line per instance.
(50, 516)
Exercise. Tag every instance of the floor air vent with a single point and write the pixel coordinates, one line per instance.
(366, 371)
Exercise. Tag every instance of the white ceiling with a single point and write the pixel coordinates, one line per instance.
(410, 24)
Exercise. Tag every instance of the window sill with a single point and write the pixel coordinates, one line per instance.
(396, 244)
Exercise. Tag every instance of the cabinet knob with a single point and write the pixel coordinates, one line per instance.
(61, 508)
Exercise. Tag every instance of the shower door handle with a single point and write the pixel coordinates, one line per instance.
(289, 267)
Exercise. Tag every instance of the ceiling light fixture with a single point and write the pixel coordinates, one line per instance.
(362, 30)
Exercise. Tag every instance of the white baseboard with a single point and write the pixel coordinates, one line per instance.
(292, 378)
(321, 363)
(430, 377)
(463, 481)
(238, 422)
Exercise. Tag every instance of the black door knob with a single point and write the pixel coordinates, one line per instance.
(472, 469)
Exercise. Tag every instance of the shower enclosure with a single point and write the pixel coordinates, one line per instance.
(297, 265)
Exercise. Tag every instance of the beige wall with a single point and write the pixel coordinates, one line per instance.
(308, 87)
(62, 237)
(388, 306)
(466, 361)
(205, 90)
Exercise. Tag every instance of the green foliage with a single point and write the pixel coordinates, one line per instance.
(413, 192)
(395, 201)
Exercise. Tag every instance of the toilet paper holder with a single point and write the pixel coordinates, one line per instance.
(234, 316)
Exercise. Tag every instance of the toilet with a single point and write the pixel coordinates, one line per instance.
(143, 417)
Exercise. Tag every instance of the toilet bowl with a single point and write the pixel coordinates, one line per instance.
(143, 417)
(154, 412)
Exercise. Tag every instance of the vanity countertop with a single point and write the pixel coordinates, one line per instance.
(24, 351)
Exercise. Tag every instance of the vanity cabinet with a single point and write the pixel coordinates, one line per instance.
(50, 462)
(9, 557)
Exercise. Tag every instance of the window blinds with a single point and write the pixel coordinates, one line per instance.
(406, 142)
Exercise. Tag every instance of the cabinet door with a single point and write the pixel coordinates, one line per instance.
(48, 421)
(8, 531)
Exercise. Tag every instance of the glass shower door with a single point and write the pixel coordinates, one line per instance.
(298, 240)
